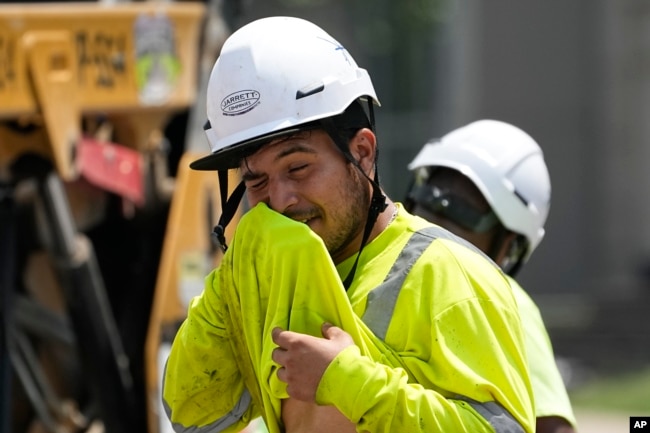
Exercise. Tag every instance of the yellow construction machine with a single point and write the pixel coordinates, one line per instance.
(103, 238)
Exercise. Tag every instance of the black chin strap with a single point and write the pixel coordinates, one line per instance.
(377, 206)
(377, 202)
(229, 206)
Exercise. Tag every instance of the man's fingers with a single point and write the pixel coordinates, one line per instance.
(332, 332)
(336, 334)
(282, 374)
(276, 334)
(278, 355)
(325, 329)
(284, 338)
(301, 359)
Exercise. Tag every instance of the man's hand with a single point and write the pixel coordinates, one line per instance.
(303, 359)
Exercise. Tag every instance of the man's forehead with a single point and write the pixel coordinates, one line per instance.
(281, 147)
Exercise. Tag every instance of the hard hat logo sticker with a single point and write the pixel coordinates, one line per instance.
(158, 66)
(240, 102)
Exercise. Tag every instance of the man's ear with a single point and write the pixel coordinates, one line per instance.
(363, 148)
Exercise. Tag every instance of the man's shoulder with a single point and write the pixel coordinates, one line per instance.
(436, 247)
(420, 227)
(526, 303)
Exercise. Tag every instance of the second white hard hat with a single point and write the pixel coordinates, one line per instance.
(507, 166)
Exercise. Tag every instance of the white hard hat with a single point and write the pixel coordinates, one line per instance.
(272, 76)
(506, 165)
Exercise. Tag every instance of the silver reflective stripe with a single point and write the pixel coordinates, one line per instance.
(219, 425)
(382, 299)
(498, 417)
(222, 423)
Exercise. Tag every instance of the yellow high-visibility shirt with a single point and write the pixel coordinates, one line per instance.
(439, 346)
(551, 397)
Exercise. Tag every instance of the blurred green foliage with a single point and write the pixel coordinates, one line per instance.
(628, 393)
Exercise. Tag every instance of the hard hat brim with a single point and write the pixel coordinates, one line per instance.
(231, 156)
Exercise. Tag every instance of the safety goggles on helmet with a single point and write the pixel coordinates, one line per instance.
(452, 207)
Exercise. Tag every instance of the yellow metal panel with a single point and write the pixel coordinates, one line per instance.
(50, 58)
(128, 55)
(186, 259)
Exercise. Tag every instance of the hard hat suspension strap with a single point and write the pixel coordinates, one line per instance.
(333, 126)
(229, 206)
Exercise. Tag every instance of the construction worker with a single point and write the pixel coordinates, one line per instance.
(333, 309)
(487, 182)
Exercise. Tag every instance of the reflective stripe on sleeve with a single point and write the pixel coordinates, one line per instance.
(218, 425)
(498, 417)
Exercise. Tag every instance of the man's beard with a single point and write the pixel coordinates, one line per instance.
(351, 218)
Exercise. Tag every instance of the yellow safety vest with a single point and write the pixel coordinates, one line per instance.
(438, 337)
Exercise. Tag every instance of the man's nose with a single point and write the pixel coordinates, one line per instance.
(282, 196)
